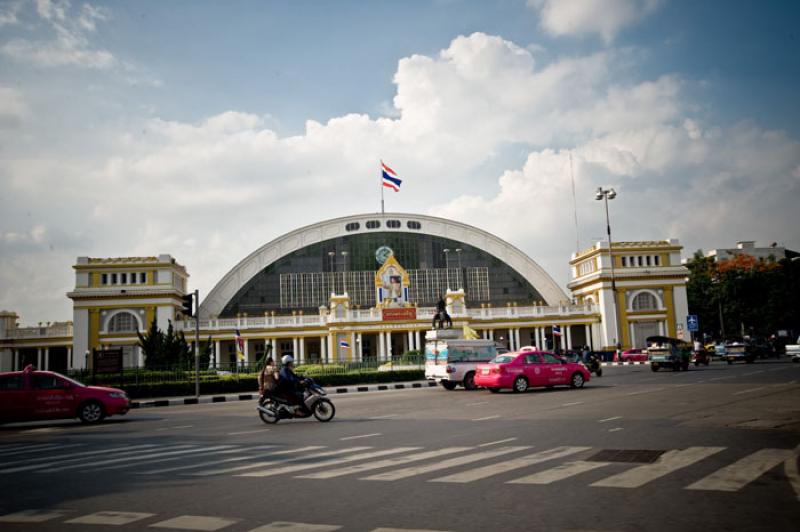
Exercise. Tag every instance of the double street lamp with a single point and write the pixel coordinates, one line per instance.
(605, 195)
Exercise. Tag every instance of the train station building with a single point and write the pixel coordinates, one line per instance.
(366, 287)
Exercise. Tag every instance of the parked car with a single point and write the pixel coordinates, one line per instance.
(739, 352)
(793, 351)
(529, 368)
(32, 395)
(634, 355)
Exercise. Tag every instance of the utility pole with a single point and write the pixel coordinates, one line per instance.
(197, 344)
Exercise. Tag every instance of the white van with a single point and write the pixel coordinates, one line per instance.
(450, 360)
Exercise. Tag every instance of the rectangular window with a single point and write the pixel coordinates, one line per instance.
(640, 260)
(113, 278)
(624, 261)
(104, 278)
(648, 260)
(658, 260)
(124, 278)
(143, 278)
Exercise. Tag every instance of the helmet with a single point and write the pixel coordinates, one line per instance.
(287, 359)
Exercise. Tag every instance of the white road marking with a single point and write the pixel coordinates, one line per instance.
(387, 416)
(566, 470)
(31, 516)
(195, 522)
(478, 403)
(669, 462)
(615, 429)
(335, 460)
(285, 526)
(752, 373)
(573, 403)
(510, 465)
(110, 518)
(69, 457)
(382, 529)
(606, 420)
(388, 462)
(446, 464)
(176, 428)
(155, 454)
(721, 378)
(651, 390)
(362, 436)
(247, 432)
(486, 418)
(259, 464)
(740, 473)
(791, 468)
(497, 442)
(748, 391)
(167, 459)
(42, 448)
(194, 466)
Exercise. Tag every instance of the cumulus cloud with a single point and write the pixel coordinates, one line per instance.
(210, 192)
(70, 44)
(605, 18)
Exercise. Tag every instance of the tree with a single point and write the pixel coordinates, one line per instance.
(161, 349)
(152, 345)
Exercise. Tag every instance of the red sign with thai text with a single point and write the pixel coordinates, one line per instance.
(399, 314)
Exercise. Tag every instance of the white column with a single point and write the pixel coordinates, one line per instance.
(69, 357)
(569, 336)
(410, 337)
(381, 347)
(562, 339)
(491, 334)
(215, 359)
(419, 340)
(353, 345)
(323, 348)
(301, 343)
(389, 352)
(246, 352)
(661, 328)
(510, 336)
(274, 343)
(295, 349)
(540, 337)
(632, 334)
(359, 347)
(46, 358)
(16, 360)
(516, 338)
(39, 358)
(588, 335)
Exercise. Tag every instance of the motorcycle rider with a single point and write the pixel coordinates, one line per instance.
(290, 385)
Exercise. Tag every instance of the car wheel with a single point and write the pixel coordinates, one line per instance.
(469, 381)
(654, 367)
(599, 372)
(91, 412)
(520, 385)
(447, 385)
(494, 390)
(577, 380)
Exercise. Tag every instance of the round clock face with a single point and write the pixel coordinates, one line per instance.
(383, 253)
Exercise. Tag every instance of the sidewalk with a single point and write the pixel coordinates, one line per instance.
(174, 401)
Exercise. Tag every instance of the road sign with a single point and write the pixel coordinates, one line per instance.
(692, 323)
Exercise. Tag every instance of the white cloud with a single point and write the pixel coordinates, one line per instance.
(69, 45)
(8, 13)
(211, 192)
(581, 17)
(13, 108)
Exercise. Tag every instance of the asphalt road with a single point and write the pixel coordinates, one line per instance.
(714, 448)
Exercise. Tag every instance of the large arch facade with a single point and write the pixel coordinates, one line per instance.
(245, 273)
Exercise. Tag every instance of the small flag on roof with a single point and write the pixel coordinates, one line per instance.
(556, 330)
(390, 179)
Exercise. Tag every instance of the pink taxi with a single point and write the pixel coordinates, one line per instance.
(633, 355)
(529, 368)
(32, 395)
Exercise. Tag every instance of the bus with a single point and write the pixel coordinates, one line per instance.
(450, 360)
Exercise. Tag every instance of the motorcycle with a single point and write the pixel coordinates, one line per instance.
(593, 365)
(272, 408)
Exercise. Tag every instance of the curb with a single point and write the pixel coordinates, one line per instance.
(624, 363)
(250, 396)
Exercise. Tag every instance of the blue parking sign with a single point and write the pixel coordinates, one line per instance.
(692, 323)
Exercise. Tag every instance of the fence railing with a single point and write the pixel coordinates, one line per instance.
(185, 372)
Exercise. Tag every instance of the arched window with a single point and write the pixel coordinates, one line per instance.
(645, 301)
(123, 322)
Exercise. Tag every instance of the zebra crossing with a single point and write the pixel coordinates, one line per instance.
(522, 465)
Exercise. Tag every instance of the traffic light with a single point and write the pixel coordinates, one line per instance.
(188, 306)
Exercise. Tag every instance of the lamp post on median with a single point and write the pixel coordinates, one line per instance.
(447, 265)
(460, 273)
(605, 195)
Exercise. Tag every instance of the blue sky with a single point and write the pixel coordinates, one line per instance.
(205, 129)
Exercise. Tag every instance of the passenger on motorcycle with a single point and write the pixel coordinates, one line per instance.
(268, 378)
(289, 384)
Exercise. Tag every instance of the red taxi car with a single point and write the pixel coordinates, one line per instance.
(32, 395)
(633, 355)
(529, 368)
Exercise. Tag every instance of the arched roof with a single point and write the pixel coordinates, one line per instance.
(282, 246)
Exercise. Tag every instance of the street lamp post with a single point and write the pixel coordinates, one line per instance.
(331, 257)
(460, 273)
(344, 270)
(447, 265)
(605, 195)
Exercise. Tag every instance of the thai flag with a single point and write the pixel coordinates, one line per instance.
(390, 178)
(556, 330)
(344, 345)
